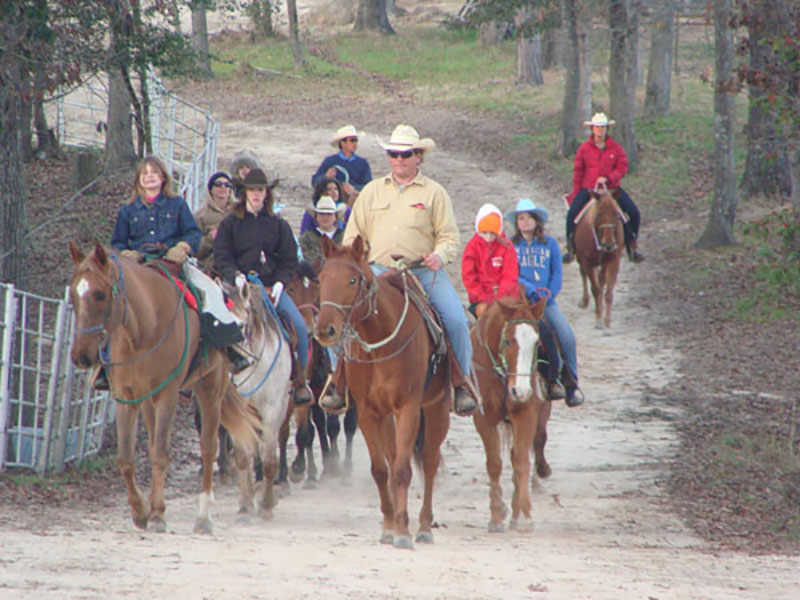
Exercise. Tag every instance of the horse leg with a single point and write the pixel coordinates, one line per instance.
(490, 436)
(209, 397)
(269, 462)
(283, 466)
(127, 417)
(597, 293)
(543, 469)
(523, 424)
(408, 420)
(350, 426)
(436, 424)
(320, 422)
(611, 281)
(301, 442)
(584, 301)
(160, 415)
(331, 465)
(372, 430)
(244, 467)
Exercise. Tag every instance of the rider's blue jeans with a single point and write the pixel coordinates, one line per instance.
(566, 338)
(445, 300)
(289, 311)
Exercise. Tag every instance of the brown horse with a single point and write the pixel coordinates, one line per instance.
(386, 350)
(134, 319)
(504, 343)
(599, 243)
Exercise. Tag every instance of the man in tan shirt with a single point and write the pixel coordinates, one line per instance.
(409, 214)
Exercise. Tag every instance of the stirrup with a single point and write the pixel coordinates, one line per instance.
(463, 402)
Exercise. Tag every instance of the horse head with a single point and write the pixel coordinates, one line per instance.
(93, 293)
(303, 288)
(608, 221)
(511, 332)
(345, 284)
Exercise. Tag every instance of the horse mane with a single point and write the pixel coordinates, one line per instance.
(260, 321)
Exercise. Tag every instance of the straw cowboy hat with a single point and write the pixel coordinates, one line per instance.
(600, 120)
(526, 205)
(405, 137)
(326, 205)
(345, 132)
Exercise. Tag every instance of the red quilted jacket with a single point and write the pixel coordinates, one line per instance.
(489, 271)
(591, 162)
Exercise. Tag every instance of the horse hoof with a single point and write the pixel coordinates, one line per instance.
(521, 526)
(424, 537)
(387, 537)
(403, 542)
(296, 477)
(140, 522)
(266, 514)
(244, 518)
(543, 470)
(283, 490)
(496, 527)
(203, 527)
(157, 525)
(310, 484)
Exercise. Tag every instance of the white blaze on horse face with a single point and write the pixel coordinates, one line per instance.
(81, 288)
(306, 282)
(526, 338)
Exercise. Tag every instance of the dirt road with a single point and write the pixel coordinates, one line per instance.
(601, 529)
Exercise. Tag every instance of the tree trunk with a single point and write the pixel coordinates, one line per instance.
(568, 143)
(490, 33)
(584, 25)
(766, 170)
(795, 174)
(550, 46)
(659, 68)
(200, 39)
(119, 150)
(260, 13)
(719, 229)
(25, 119)
(294, 34)
(622, 79)
(529, 60)
(46, 141)
(371, 15)
(13, 219)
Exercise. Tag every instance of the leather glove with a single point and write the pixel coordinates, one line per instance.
(134, 255)
(240, 281)
(179, 252)
(277, 290)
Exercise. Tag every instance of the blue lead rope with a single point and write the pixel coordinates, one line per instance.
(283, 334)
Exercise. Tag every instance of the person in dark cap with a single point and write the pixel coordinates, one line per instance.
(215, 207)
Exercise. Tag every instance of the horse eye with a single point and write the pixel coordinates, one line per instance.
(99, 296)
(290, 290)
(352, 281)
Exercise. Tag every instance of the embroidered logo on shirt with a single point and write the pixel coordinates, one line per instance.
(418, 205)
(497, 262)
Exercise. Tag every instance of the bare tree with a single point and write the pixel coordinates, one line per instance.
(529, 50)
(200, 38)
(719, 229)
(584, 11)
(567, 139)
(260, 13)
(294, 33)
(659, 68)
(622, 76)
(372, 15)
(551, 48)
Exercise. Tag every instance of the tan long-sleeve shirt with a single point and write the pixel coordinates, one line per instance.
(412, 220)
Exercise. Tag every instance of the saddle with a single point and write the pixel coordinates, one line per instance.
(592, 202)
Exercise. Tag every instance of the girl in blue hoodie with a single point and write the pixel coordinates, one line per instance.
(539, 259)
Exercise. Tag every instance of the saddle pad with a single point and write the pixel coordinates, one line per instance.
(189, 297)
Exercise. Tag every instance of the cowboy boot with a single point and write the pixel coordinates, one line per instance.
(569, 251)
(302, 392)
(332, 400)
(555, 391)
(633, 253)
(574, 397)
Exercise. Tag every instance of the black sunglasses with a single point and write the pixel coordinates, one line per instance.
(222, 184)
(404, 154)
(350, 139)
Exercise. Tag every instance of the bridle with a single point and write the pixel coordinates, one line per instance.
(366, 296)
(500, 363)
(598, 228)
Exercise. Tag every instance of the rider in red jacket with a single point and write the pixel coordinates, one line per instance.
(489, 265)
(601, 160)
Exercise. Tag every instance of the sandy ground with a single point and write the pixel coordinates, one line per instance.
(602, 530)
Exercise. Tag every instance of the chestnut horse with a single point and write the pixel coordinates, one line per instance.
(599, 243)
(134, 320)
(303, 287)
(504, 343)
(387, 351)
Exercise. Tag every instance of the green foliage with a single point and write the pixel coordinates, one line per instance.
(538, 14)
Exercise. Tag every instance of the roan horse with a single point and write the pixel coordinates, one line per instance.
(153, 341)
(266, 384)
(303, 287)
(504, 342)
(599, 243)
(387, 350)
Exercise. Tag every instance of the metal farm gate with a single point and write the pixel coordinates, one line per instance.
(49, 415)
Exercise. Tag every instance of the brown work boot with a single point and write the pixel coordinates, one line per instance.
(555, 391)
(465, 402)
(569, 250)
(633, 252)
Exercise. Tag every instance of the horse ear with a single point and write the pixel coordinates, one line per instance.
(76, 254)
(100, 255)
(316, 266)
(358, 247)
(327, 246)
(538, 309)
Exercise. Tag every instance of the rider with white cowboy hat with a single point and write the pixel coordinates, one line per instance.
(382, 215)
(326, 214)
(600, 160)
(346, 166)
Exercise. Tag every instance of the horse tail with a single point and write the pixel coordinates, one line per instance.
(241, 419)
(419, 443)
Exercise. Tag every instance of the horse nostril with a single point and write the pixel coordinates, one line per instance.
(331, 331)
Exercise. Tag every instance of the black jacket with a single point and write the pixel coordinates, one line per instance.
(258, 243)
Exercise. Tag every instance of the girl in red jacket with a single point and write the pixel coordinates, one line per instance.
(489, 265)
